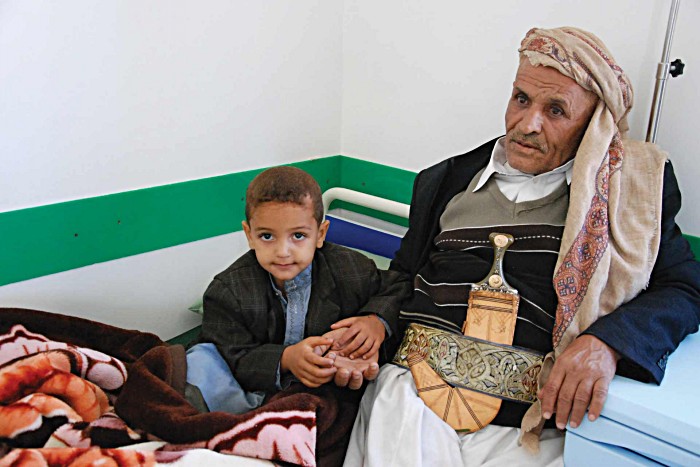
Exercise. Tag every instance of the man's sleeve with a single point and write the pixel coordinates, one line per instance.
(381, 293)
(647, 329)
(390, 289)
(252, 361)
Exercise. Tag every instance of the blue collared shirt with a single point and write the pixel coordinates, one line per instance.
(295, 306)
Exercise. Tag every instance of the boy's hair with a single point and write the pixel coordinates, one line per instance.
(283, 184)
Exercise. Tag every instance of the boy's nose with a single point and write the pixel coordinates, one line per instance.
(282, 249)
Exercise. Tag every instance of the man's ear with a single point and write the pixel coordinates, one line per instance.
(246, 229)
(322, 231)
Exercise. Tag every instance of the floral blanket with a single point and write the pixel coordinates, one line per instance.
(74, 392)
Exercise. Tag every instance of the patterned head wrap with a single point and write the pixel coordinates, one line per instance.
(612, 231)
(584, 58)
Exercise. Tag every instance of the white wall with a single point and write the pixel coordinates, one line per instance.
(679, 130)
(150, 292)
(108, 96)
(426, 80)
(103, 97)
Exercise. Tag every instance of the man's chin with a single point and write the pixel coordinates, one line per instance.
(519, 162)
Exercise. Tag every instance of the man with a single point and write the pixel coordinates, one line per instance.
(606, 281)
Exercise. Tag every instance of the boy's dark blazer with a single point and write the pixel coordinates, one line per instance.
(244, 317)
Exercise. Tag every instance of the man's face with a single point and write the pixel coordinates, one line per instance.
(285, 237)
(547, 115)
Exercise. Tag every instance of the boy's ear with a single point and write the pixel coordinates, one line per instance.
(322, 231)
(246, 229)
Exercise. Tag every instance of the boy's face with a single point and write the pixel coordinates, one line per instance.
(285, 237)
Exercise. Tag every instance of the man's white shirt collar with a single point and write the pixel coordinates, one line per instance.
(518, 186)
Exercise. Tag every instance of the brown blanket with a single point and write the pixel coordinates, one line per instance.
(89, 385)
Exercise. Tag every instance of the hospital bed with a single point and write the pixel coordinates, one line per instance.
(34, 342)
(641, 424)
(644, 424)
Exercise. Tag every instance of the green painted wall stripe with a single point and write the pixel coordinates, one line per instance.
(694, 245)
(48, 239)
(376, 179)
(186, 337)
(58, 237)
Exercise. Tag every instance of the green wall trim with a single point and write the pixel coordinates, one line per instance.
(58, 237)
(186, 337)
(694, 244)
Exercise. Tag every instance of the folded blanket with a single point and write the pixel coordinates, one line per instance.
(84, 384)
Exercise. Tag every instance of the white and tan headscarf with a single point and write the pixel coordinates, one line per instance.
(612, 233)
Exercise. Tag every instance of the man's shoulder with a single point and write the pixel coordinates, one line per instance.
(476, 157)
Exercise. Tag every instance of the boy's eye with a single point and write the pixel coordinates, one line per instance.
(299, 236)
(265, 236)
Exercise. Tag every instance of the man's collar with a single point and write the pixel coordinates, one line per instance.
(498, 164)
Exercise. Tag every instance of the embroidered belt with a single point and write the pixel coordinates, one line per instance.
(498, 370)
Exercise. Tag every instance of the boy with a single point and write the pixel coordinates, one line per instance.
(266, 315)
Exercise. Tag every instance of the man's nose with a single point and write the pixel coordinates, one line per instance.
(531, 121)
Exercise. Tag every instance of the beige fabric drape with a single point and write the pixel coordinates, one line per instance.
(612, 233)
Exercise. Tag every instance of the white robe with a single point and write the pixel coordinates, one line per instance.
(395, 428)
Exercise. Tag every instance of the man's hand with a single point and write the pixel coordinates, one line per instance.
(310, 367)
(579, 380)
(362, 338)
(351, 373)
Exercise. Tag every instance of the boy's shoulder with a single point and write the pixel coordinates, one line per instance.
(333, 249)
(246, 266)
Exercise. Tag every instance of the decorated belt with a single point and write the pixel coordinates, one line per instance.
(497, 370)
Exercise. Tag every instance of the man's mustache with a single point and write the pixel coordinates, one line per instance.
(527, 140)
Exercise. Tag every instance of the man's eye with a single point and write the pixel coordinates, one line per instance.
(557, 111)
(265, 236)
(521, 98)
(299, 236)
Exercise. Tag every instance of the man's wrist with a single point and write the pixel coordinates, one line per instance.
(613, 353)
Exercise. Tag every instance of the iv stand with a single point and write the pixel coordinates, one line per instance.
(664, 68)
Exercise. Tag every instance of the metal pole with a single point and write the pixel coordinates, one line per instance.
(662, 71)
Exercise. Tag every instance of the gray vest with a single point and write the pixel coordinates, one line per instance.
(489, 206)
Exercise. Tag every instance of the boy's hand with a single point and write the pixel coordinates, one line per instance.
(309, 367)
(362, 338)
